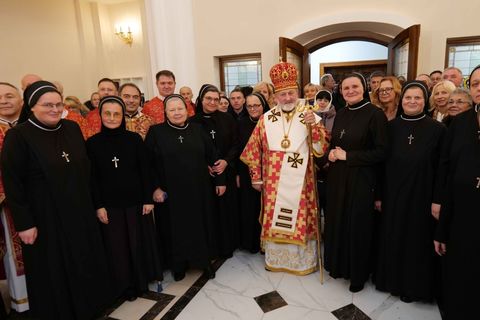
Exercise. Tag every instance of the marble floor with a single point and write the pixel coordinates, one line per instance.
(243, 289)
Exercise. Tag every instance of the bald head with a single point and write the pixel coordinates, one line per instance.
(28, 79)
(186, 93)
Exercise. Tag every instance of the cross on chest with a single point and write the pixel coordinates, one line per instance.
(478, 182)
(115, 160)
(181, 139)
(410, 138)
(342, 133)
(212, 133)
(65, 155)
(295, 160)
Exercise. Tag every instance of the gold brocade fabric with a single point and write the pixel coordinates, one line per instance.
(139, 123)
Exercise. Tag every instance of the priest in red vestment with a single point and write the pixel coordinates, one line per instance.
(10, 244)
(166, 86)
(277, 154)
(135, 120)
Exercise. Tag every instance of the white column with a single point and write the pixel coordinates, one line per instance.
(170, 38)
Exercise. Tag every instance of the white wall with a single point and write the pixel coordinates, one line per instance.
(229, 27)
(70, 41)
(343, 52)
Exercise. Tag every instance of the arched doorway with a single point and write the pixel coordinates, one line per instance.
(402, 45)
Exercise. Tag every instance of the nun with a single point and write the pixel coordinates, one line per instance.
(122, 190)
(358, 147)
(46, 176)
(406, 253)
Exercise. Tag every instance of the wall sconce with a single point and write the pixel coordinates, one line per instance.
(125, 36)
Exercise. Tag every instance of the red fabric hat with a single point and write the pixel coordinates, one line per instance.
(284, 76)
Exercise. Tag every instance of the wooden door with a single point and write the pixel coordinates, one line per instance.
(403, 53)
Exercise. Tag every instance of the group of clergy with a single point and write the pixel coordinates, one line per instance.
(177, 185)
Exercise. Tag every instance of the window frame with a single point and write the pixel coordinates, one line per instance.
(236, 57)
(459, 41)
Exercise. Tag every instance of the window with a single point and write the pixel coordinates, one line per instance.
(463, 53)
(240, 70)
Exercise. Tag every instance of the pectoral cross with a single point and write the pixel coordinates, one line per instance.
(181, 139)
(410, 138)
(295, 160)
(212, 133)
(342, 133)
(115, 160)
(478, 183)
(65, 155)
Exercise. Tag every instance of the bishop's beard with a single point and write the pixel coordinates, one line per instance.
(287, 106)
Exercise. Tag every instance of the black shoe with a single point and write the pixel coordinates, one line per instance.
(209, 273)
(406, 299)
(178, 275)
(131, 298)
(356, 288)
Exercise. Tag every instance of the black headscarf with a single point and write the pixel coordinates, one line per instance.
(203, 90)
(113, 99)
(262, 99)
(366, 95)
(32, 94)
(414, 84)
(170, 97)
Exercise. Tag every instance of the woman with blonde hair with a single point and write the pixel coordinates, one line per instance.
(439, 99)
(387, 96)
(75, 105)
(266, 89)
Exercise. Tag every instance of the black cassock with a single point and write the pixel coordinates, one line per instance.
(250, 201)
(185, 220)
(460, 217)
(46, 175)
(122, 184)
(361, 130)
(222, 130)
(406, 262)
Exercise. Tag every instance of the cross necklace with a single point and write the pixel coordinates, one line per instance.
(115, 160)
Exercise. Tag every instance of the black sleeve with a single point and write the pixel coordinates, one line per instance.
(211, 156)
(94, 178)
(154, 157)
(145, 170)
(442, 167)
(378, 151)
(234, 150)
(15, 158)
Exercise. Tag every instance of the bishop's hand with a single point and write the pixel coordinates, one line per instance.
(309, 117)
(147, 208)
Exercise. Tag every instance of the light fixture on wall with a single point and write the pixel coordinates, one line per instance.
(125, 36)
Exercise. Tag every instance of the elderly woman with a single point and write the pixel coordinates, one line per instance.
(459, 219)
(183, 153)
(358, 146)
(387, 96)
(439, 99)
(406, 261)
(46, 176)
(459, 101)
(122, 193)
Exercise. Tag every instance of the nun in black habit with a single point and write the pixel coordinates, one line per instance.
(222, 129)
(455, 237)
(122, 189)
(358, 146)
(46, 175)
(406, 261)
(182, 154)
(250, 201)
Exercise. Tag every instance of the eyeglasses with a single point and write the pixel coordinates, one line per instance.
(210, 99)
(254, 106)
(385, 90)
(52, 105)
(457, 102)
